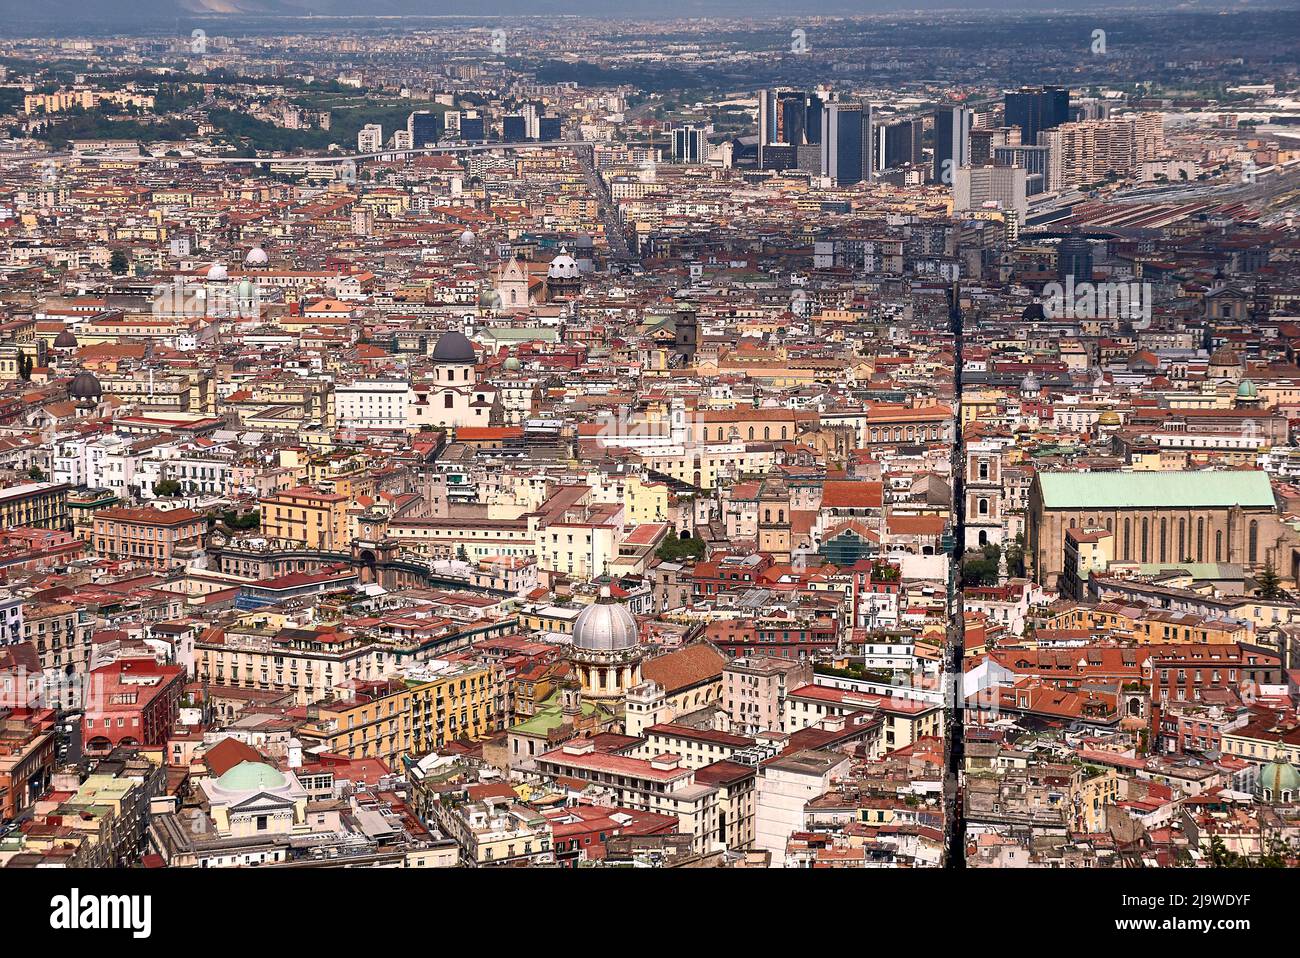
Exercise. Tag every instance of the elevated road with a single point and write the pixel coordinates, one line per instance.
(326, 159)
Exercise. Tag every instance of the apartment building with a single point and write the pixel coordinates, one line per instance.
(160, 539)
(303, 514)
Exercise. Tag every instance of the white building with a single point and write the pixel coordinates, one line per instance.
(785, 786)
(371, 404)
(370, 139)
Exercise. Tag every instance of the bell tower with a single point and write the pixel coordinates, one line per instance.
(774, 518)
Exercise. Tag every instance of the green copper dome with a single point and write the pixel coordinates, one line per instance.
(1247, 390)
(1278, 782)
(251, 777)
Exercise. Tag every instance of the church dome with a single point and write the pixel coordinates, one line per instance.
(256, 257)
(1109, 418)
(65, 340)
(85, 386)
(1033, 312)
(489, 299)
(1224, 356)
(453, 347)
(1029, 384)
(1247, 390)
(252, 777)
(563, 266)
(217, 272)
(605, 626)
(1278, 782)
(468, 238)
(513, 363)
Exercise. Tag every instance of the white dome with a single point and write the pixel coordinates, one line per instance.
(218, 272)
(256, 257)
(605, 626)
(468, 238)
(563, 266)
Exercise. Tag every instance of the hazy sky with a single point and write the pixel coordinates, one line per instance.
(144, 12)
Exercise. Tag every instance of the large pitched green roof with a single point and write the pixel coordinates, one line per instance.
(1154, 490)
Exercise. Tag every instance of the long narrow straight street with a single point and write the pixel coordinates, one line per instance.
(954, 740)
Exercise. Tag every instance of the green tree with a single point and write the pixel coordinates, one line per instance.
(674, 549)
(36, 473)
(118, 263)
(1016, 556)
(1268, 583)
(166, 488)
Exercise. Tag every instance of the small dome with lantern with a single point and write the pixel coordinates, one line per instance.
(1279, 783)
(605, 626)
(454, 348)
(563, 266)
(85, 387)
(563, 277)
(217, 273)
(606, 652)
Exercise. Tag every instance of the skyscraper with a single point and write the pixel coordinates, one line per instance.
(952, 129)
(1074, 258)
(471, 126)
(514, 128)
(425, 128)
(1036, 110)
(846, 142)
(787, 120)
(983, 187)
(549, 128)
(690, 143)
(898, 144)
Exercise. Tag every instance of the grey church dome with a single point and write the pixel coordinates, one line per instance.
(605, 626)
(453, 347)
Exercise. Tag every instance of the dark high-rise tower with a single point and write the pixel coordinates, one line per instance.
(787, 120)
(425, 128)
(846, 142)
(1074, 258)
(952, 128)
(898, 143)
(1036, 110)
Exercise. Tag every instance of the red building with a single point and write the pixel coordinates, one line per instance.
(775, 634)
(1184, 673)
(730, 573)
(580, 831)
(131, 702)
(27, 757)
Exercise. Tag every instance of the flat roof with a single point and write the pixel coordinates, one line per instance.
(1154, 490)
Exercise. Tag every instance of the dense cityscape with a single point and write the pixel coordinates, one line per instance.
(716, 442)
